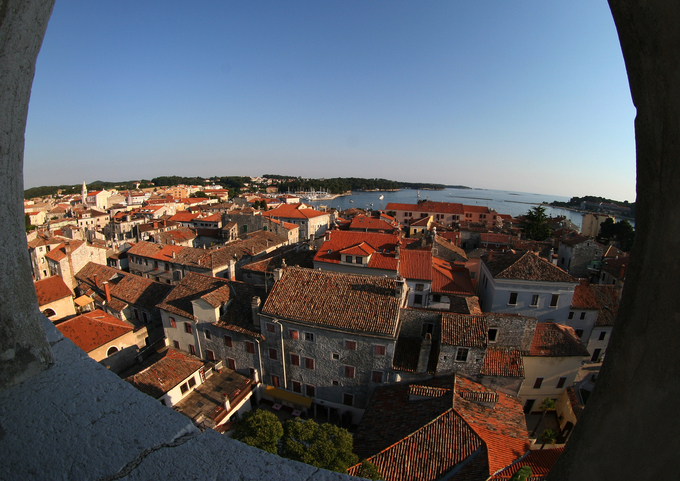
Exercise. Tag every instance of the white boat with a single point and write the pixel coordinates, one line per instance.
(381, 197)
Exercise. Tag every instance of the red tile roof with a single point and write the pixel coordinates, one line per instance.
(362, 249)
(464, 331)
(556, 340)
(502, 361)
(184, 216)
(345, 301)
(525, 266)
(51, 289)
(338, 240)
(361, 222)
(165, 373)
(293, 211)
(495, 238)
(413, 437)
(58, 253)
(540, 461)
(93, 329)
(213, 290)
(415, 264)
(450, 279)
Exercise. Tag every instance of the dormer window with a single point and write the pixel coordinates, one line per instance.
(348, 259)
(360, 260)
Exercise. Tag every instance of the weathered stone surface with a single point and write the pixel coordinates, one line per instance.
(23, 348)
(629, 428)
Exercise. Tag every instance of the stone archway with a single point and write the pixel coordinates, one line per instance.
(630, 426)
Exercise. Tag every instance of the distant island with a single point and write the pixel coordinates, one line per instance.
(597, 204)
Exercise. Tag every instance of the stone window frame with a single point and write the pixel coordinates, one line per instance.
(293, 334)
(349, 372)
(173, 323)
(228, 341)
(512, 301)
(350, 345)
(379, 347)
(273, 354)
(374, 376)
(310, 363)
(535, 298)
(462, 354)
(538, 383)
(335, 356)
(309, 336)
(554, 300)
(495, 334)
(250, 347)
(294, 359)
(296, 386)
(348, 399)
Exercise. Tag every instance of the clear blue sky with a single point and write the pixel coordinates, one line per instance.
(528, 96)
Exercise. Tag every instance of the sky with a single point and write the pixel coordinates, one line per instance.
(529, 96)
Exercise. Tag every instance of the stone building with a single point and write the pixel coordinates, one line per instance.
(525, 284)
(575, 254)
(54, 298)
(66, 259)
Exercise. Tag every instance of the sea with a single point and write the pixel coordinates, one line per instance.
(502, 201)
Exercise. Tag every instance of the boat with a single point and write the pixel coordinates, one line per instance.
(381, 197)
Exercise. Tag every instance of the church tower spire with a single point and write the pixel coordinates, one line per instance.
(83, 194)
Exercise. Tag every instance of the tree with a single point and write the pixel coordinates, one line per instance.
(535, 224)
(199, 194)
(322, 445)
(260, 429)
(369, 470)
(27, 222)
(522, 474)
(546, 405)
(548, 436)
(621, 232)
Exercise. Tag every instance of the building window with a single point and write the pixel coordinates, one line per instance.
(513, 299)
(351, 345)
(176, 344)
(192, 349)
(208, 335)
(210, 354)
(184, 388)
(583, 315)
(273, 354)
(379, 350)
(349, 371)
(561, 382)
(271, 328)
(309, 390)
(553, 300)
(534, 300)
(462, 354)
(571, 315)
(348, 399)
(579, 332)
(295, 359)
(250, 347)
(187, 328)
(420, 287)
(231, 364)
(538, 382)
(418, 299)
(155, 265)
(136, 314)
(112, 350)
(377, 376)
(167, 267)
(493, 334)
(336, 356)
(228, 341)
(428, 328)
(360, 260)
(309, 336)
(172, 322)
(603, 334)
(348, 259)
(275, 381)
(528, 405)
(297, 387)
(335, 382)
(293, 334)
(309, 363)
(436, 298)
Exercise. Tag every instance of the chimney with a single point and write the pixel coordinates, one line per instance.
(107, 291)
(623, 271)
(174, 254)
(278, 274)
(96, 281)
(227, 404)
(231, 272)
(424, 355)
(255, 308)
(400, 292)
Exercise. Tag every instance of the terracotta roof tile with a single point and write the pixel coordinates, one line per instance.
(353, 302)
(159, 376)
(362, 222)
(93, 329)
(449, 279)
(416, 264)
(525, 266)
(504, 362)
(51, 289)
(337, 240)
(556, 340)
(464, 331)
(192, 287)
(429, 206)
(601, 297)
(293, 211)
(540, 461)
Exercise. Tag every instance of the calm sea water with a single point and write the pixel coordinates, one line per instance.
(503, 201)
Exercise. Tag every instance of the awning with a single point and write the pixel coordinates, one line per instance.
(83, 301)
(291, 397)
